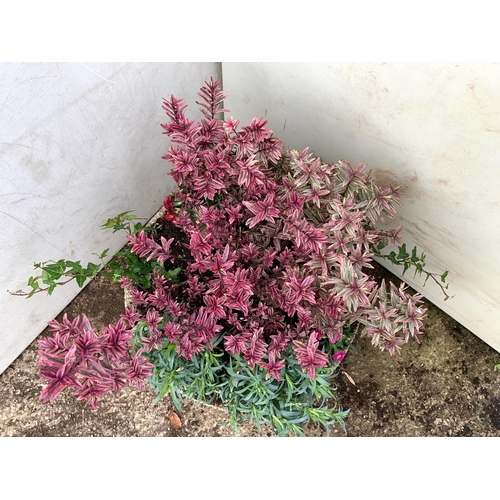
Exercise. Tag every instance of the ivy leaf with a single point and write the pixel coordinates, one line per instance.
(92, 269)
(103, 254)
(80, 279)
(74, 267)
(32, 282)
(173, 273)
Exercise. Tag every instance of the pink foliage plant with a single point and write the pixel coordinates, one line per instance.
(273, 246)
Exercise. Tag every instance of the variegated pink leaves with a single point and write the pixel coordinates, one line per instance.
(91, 364)
(262, 210)
(143, 246)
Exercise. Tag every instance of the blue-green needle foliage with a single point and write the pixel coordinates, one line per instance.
(286, 405)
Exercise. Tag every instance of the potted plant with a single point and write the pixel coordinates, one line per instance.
(249, 288)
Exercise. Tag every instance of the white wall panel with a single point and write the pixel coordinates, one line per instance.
(432, 128)
(79, 143)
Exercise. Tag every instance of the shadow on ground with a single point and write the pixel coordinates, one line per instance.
(446, 386)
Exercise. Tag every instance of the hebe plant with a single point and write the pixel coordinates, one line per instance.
(250, 287)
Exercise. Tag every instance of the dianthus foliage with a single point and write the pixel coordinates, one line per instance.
(250, 287)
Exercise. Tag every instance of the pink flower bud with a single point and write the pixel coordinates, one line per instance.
(339, 356)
